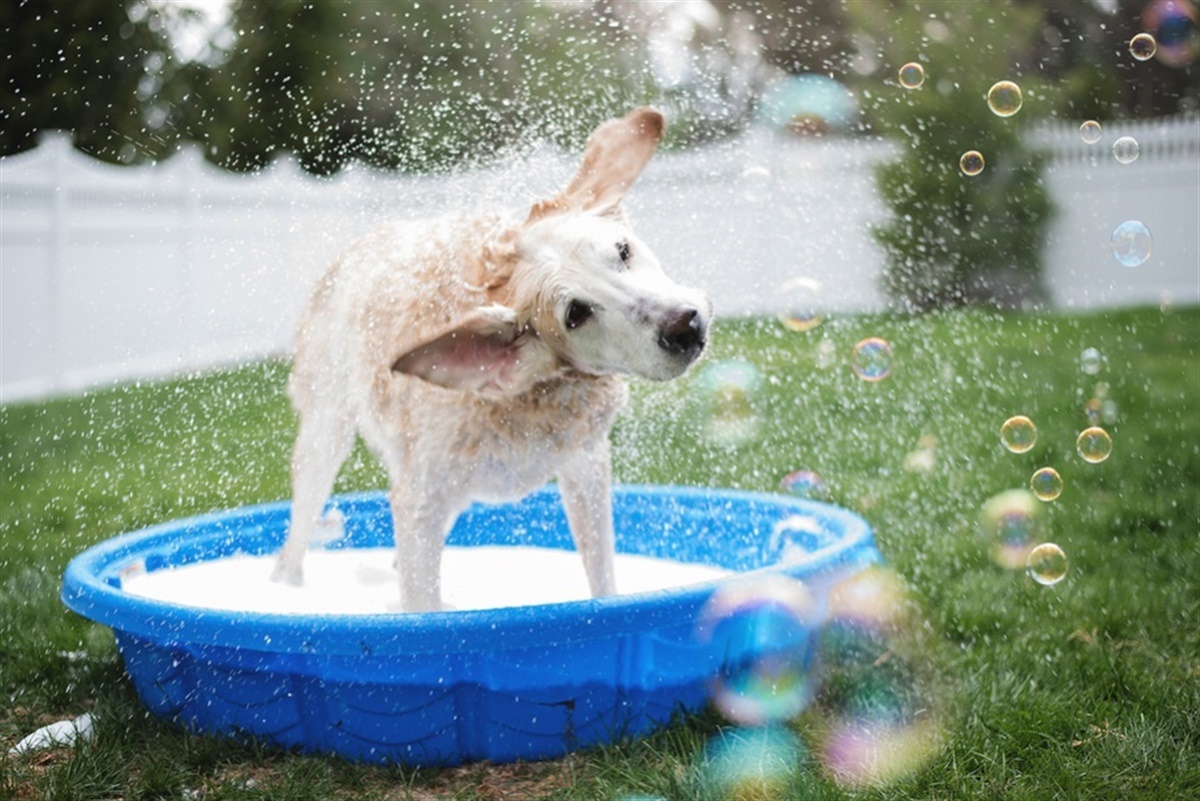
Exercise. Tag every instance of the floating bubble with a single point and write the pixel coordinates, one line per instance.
(1089, 132)
(801, 298)
(874, 597)
(1094, 445)
(1126, 150)
(1046, 484)
(912, 75)
(727, 397)
(1142, 47)
(763, 629)
(755, 183)
(1009, 524)
(759, 764)
(1093, 411)
(1108, 412)
(1090, 361)
(872, 359)
(1132, 243)
(1047, 564)
(1004, 98)
(1175, 26)
(804, 484)
(971, 163)
(1018, 434)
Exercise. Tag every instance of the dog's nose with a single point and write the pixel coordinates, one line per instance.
(682, 332)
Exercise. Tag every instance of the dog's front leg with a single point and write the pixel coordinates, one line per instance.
(586, 484)
(421, 525)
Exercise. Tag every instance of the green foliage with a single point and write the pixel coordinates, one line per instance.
(1087, 689)
(953, 239)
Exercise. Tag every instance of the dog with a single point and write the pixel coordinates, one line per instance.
(479, 357)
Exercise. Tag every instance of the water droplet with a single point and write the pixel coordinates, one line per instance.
(1094, 445)
(1004, 98)
(872, 359)
(1047, 564)
(1046, 484)
(1132, 243)
(1126, 149)
(971, 163)
(1018, 434)
(1143, 47)
(1089, 132)
(912, 75)
(801, 298)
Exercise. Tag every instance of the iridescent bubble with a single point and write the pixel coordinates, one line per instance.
(804, 484)
(875, 597)
(1108, 412)
(872, 359)
(1126, 150)
(1132, 243)
(971, 163)
(1047, 564)
(1142, 47)
(755, 183)
(1009, 524)
(1090, 361)
(763, 628)
(1089, 132)
(1093, 411)
(801, 299)
(1018, 434)
(1046, 484)
(726, 398)
(759, 764)
(912, 75)
(1004, 98)
(1093, 445)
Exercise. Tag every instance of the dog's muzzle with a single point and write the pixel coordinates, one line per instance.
(683, 333)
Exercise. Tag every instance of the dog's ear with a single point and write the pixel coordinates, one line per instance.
(614, 157)
(487, 351)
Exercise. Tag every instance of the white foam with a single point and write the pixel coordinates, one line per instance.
(363, 580)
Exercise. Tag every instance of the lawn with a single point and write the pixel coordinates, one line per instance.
(1086, 689)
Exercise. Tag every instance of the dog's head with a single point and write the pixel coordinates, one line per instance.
(574, 288)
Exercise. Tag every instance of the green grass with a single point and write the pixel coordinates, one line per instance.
(1089, 689)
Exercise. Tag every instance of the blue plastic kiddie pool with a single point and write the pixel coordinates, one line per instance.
(529, 682)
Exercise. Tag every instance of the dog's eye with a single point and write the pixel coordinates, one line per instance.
(623, 252)
(577, 314)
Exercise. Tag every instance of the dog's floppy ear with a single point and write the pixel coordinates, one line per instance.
(614, 157)
(486, 351)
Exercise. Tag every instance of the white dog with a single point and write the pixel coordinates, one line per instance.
(480, 357)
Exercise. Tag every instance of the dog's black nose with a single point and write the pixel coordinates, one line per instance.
(682, 332)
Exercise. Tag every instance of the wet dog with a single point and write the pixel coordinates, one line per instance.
(479, 357)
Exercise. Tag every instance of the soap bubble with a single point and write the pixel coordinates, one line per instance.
(971, 163)
(759, 764)
(1090, 361)
(1047, 564)
(763, 628)
(1093, 411)
(1009, 524)
(1132, 243)
(878, 716)
(1004, 98)
(804, 484)
(1094, 445)
(755, 183)
(872, 359)
(1046, 484)
(727, 399)
(1126, 150)
(1018, 434)
(912, 75)
(1089, 132)
(801, 298)
(1108, 412)
(1142, 47)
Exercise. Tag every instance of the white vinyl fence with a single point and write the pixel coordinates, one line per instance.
(110, 273)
